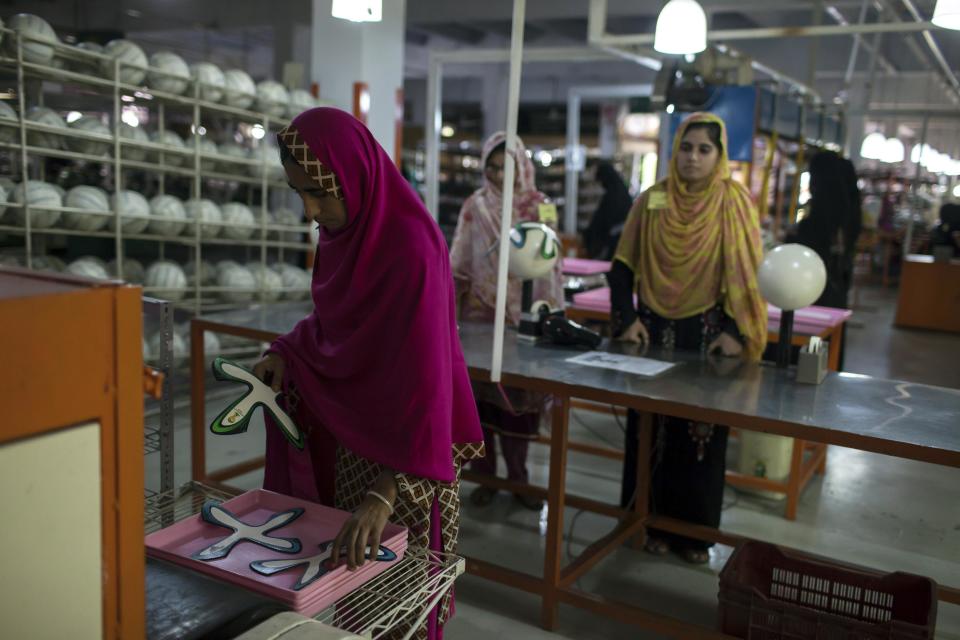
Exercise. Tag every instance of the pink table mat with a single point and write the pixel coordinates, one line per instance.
(584, 267)
(807, 321)
(318, 524)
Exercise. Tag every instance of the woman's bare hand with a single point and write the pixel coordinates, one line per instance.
(270, 371)
(636, 333)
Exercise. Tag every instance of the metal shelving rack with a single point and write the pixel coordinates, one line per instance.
(158, 422)
(396, 598)
(159, 102)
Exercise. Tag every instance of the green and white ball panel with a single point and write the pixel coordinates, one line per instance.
(132, 58)
(8, 134)
(86, 64)
(32, 26)
(87, 268)
(207, 213)
(300, 101)
(269, 282)
(240, 282)
(134, 211)
(137, 134)
(133, 271)
(89, 198)
(166, 280)
(238, 221)
(208, 273)
(211, 81)
(168, 72)
(50, 118)
(91, 125)
(238, 89)
(175, 142)
(39, 195)
(167, 216)
(272, 98)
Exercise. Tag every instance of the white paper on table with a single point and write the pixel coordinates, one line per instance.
(618, 362)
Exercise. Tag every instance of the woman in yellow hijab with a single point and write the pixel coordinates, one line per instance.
(690, 250)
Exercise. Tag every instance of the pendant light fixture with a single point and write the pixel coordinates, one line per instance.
(947, 14)
(873, 146)
(681, 28)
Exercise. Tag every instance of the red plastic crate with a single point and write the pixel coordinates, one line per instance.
(768, 593)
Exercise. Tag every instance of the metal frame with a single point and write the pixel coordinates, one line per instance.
(575, 97)
(159, 438)
(115, 89)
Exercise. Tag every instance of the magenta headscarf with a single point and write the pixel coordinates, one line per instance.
(378, 363)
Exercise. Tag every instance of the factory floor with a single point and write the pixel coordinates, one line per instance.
(868, 509)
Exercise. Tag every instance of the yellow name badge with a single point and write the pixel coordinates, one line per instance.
(547, 211)
(657, 200)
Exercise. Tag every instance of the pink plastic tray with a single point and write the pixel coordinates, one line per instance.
(318, 524)
(584, 267)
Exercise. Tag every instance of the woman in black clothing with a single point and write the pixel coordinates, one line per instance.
(602, 235)
(947, 233)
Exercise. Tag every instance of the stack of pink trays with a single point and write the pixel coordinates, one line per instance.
(312, 530)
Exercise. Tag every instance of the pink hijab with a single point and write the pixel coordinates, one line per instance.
(378, 363)
(478, 231)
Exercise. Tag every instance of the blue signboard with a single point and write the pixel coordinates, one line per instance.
(737, 106)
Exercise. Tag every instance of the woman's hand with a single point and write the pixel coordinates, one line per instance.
(365, 527)
(636, 333)
(726, 345)
(270, 371)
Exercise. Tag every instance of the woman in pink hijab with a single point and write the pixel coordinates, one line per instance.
(513, 414)
(375, 375)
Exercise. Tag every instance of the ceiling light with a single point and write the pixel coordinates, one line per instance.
(358, 10)
(257, 131)
(446, 131)
(947, 14)
(873, 146)
(893, 151)
(681, 28)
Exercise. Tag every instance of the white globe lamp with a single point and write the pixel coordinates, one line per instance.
(791, 276)
(873, 146)
(681, 28)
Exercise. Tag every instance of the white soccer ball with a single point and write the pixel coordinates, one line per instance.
(210, 79)
(39, 195)
(175, 144)
(92, 125)
(168, 217)
(534, 250)
(133, 61)
(211, 343)
(792, 276)
(10, 260)
(86, 64)
(52, 264)
(208, 148)
(50, 118)
(272, 98)
(266, 157)
(88, 198)
(208, 273)
(207, 213)
(290, 218)
(232, 150)
(165, 280)
(134, 211)
(132, 270)
(168, 73)
(238, 221)
(295, 281)
(87, 268)
(8, 134)
(36, 28)
(238, 89)
(269, 282)
(239, 281)
(300, 100)
(136, 134)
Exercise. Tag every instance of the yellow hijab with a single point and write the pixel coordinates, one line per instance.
(689, 251)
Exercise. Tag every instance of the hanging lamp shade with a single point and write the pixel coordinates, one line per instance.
(893, 151)
(947, 14)
(358, 10)
(681, 28)
(873, 146)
